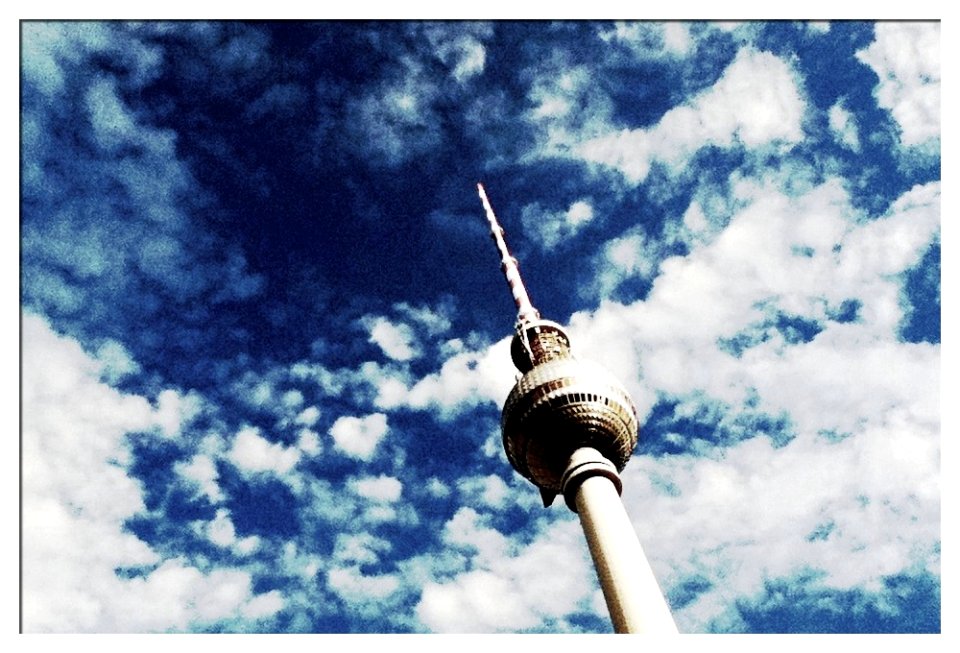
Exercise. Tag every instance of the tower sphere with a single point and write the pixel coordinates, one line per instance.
(559, 406)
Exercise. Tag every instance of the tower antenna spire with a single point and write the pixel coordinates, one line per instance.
(525, 310)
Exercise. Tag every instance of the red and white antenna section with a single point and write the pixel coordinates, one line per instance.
(525, 310)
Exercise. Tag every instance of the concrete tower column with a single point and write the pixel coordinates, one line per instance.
(591, 488)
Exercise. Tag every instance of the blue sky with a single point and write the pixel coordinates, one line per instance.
(264, 336)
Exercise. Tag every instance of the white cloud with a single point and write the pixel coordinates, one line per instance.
(676, 38)
(397, 341)
(458, 48)
(873, 497)
(487, 490)
(875, 493)
(202, 470)
(358, 549)
(247, 545)
(221, 532)
(624, 257)
(174, 410)
(309, 442)
(381, 488)
(251, 452)
(352, 585)
(47, 45)
(292, 399)
(650, 41)
(716, 291)
(263, 605)
(308, 416)
(390, 384)
(434, 321)
(906, 57)
(466, 379)
(547, 229)
(117, 361)
(476, 602)
(262, 394)
(844, 126)
(507, 590)
(179, 595)
(395, 120)
(756, 102)
(358, 437)
(437, 488)
(567, 107)
(112, 124)
(75, 502)
(330, 383)
(468, 530)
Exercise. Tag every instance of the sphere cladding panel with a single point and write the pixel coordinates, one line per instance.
(562, 405)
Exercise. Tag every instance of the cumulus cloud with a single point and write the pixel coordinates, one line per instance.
(397, 341)
(222, 532)
(76, 499)
(849, 416)
(509, 590)
(466, 377)
(359, 549)
(775, 508)
(117, 361)
(202, 470)
(465, 380)
(253, 453)
(113, 126)
(382, 489)
(51, 48)
(174, 410)
(308, 442)
(813, 504)
(308, 416)
(628, 256)
(292, 399)
(92, 254)
(263, 605)
(487, 490)
(906, 57)
(651, 40)
(566, 107)
(358, 437)
(434, 320)
(547, 228)
(718, 116)
(459, 46)
(354, 586)
(805, 254)
(437, 488)
(844, 126)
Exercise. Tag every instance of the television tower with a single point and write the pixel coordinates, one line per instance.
(570, 428)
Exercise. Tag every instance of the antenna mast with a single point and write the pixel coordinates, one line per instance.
(525, 310)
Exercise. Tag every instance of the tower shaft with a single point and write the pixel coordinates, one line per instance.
(633, 597)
